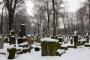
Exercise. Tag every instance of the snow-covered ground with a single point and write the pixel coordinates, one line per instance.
(81, 53)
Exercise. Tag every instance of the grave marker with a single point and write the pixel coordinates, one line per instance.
(75, 39)
(1, 42)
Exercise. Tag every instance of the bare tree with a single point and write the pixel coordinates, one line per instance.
(11, 6)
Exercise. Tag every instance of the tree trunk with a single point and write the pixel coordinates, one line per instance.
(89, 18)
(54, 22)
(2, 22)
(11, 19)
(82, 25)
(48, 19)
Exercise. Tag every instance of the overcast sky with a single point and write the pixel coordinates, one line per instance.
(71, 5)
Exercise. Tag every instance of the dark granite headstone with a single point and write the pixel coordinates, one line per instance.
(76, 39)
(12, 40)
(23, 30)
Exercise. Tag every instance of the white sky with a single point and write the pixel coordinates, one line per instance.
(71, 5)
(29, 7)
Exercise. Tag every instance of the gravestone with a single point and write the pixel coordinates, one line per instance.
(12, 50)
(87, 44)
(21, 40)
(71, 39)
(23, 30)
(49, 46)
(87, 37)
(75, 39)
(12, 37)
(1, 42)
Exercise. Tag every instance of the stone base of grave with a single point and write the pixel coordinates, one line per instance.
(71, 47)
(65, 48)
(87, 45)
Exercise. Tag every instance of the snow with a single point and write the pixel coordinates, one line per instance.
(82, 39)
(50, 40)
(22, 24)
(61, 51)
(66, 44)
(75, 33)
(34, 46)
(81, 53)
(25, 43)
(28, 35)
(87, 43)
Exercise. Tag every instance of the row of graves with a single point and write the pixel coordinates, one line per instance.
(18, 44)
(59, 45)
(49, 46)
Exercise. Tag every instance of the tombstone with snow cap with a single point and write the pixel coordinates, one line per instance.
(12, 39)
(75, 39)
(49, 46)
(87, 44)
(11, 50)
(22, 34)
(21, 40)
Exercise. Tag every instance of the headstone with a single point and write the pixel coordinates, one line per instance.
(44, 48)
(87, 37)
(71, 39)
(49, 46)
(75, 39)
(12, 40)
(11, 51)
(12, 37)
(23, 30)
(1, 42)
(19, 33)
(21, 40)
